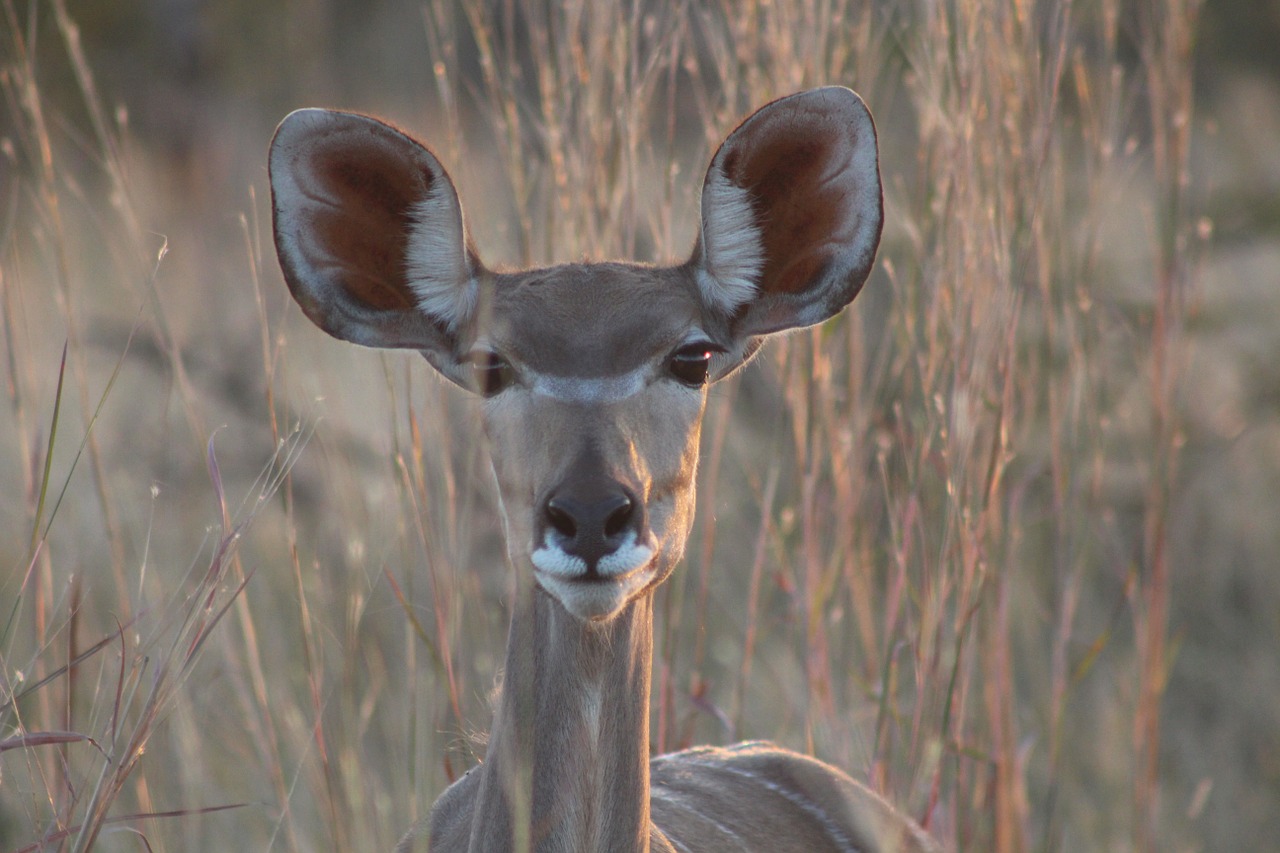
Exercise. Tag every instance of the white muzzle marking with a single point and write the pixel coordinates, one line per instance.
(619, 576)
(551, 559)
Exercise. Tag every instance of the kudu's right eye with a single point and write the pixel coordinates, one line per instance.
(490, 372)
(689, 364)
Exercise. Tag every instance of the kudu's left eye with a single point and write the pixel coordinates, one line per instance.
(490, 372)
(689, 364)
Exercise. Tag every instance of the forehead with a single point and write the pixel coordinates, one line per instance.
(589, 319)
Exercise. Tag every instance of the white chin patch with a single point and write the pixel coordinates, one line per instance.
(619, 576)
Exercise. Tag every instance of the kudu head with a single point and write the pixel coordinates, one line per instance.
(593, 376)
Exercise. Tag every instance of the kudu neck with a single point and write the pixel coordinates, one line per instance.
(567, 766)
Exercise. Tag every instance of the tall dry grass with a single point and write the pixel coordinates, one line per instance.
(940, 554)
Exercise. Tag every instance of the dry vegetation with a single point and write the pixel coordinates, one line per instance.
(994, 539)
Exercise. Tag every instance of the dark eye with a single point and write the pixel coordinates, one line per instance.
(490, 373)
(689, 364)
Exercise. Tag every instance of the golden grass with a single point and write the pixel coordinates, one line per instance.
(251, 567)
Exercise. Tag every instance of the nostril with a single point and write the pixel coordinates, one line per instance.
(589, 521)
(561, 520)
(617, 520)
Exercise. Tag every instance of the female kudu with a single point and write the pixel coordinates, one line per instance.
(594, 379)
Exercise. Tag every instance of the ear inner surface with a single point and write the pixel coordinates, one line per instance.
(351, 198)
(807, 164)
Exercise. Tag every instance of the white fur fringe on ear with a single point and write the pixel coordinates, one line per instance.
(438, 270)
(731, 244)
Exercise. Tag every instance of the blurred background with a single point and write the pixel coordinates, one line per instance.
(1002, 539)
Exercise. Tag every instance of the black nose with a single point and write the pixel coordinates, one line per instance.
(591, 519)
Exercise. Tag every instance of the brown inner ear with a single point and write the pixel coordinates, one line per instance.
(799, 202)
(363, 219)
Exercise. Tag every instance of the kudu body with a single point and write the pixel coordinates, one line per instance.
(594, 383)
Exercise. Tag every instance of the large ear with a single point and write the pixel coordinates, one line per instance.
(791, 217)
(370, 234)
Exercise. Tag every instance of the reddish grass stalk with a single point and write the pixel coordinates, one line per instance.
(1166, 58)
